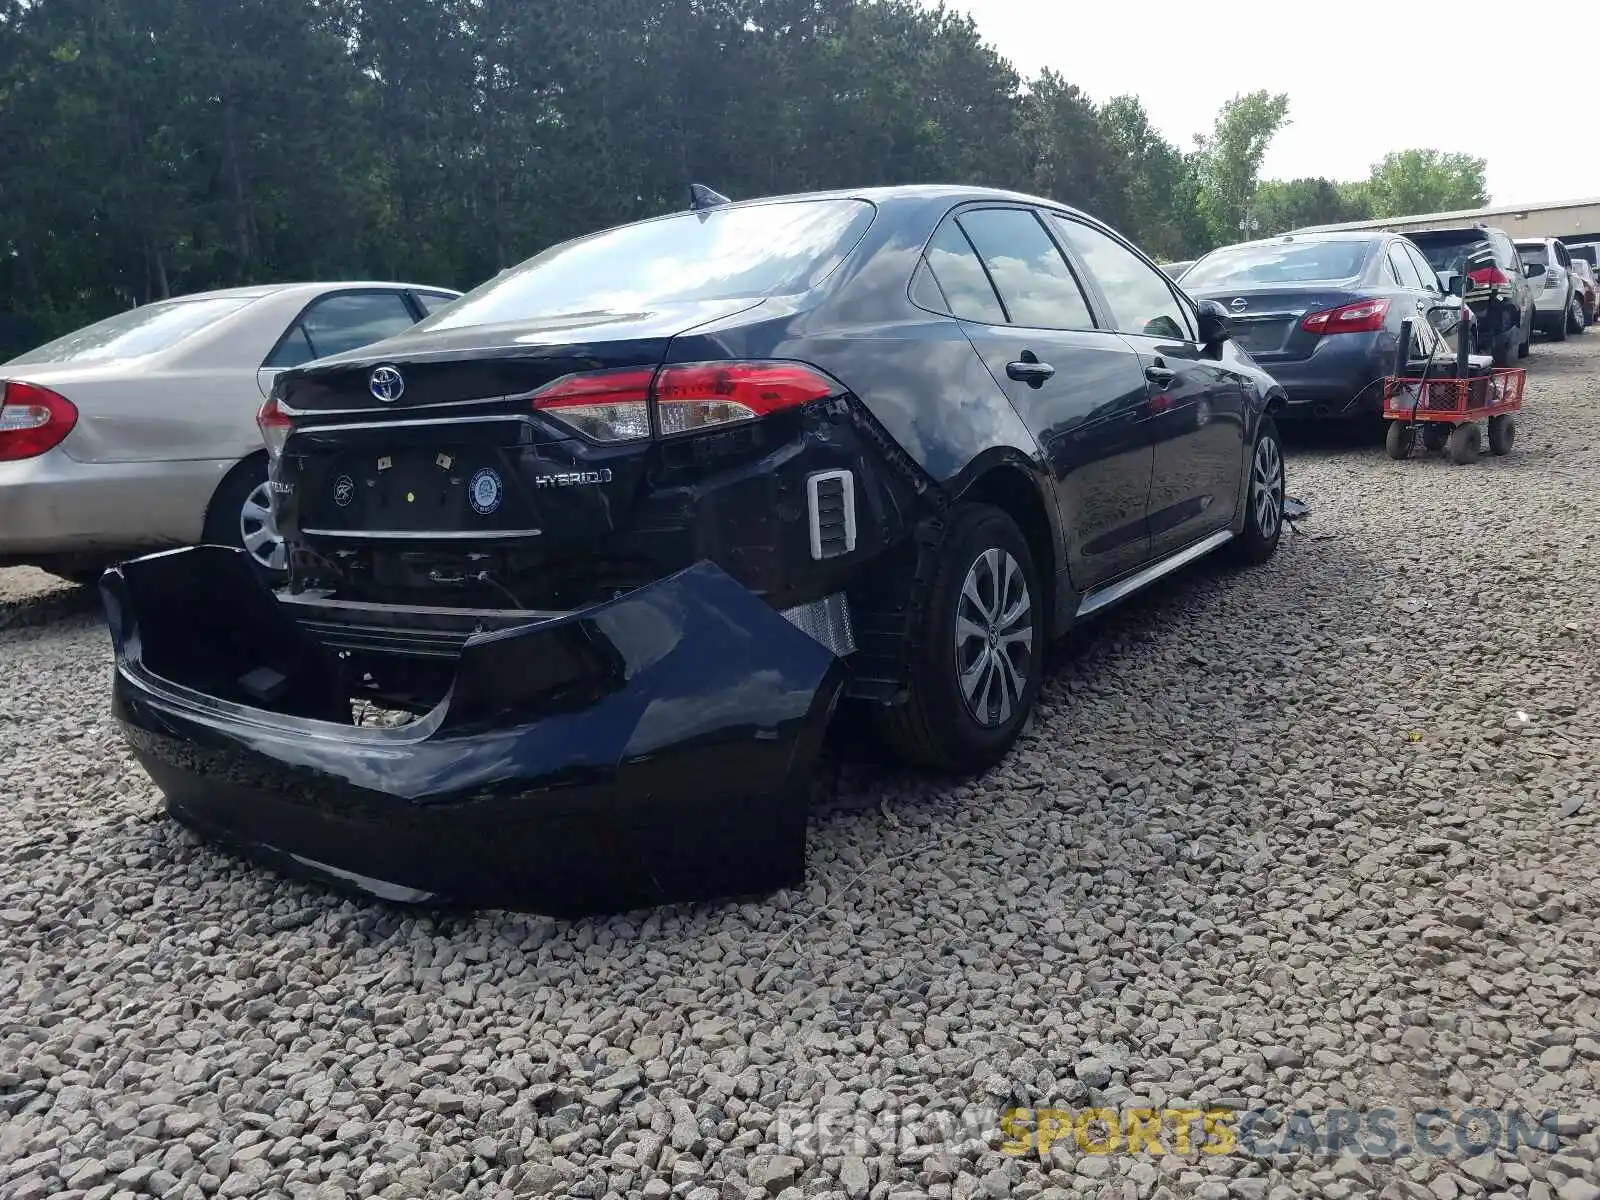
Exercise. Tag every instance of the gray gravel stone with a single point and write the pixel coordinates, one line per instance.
(1274, 839)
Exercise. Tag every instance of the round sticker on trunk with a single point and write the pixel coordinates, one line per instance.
(484, 491)
(344, 491)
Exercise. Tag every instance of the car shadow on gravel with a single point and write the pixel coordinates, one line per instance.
(1170, 616)
(48, 607)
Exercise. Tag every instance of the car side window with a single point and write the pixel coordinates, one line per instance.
(1393, 268)
(1430, 281)
(1035, 283)
(294, 350)
(432, 302)
(340, 322)
(954, 266)
(1142, 299)
(925, 291)
(1405, 270)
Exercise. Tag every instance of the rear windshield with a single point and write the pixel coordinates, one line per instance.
(743, 252)
(137, 332)
(1448, 252)
(1278, 262)
(1536, 253)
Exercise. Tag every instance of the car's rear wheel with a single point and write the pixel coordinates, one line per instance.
(1575, 316)
(241, 516)
(1263, 523)
(1558, 329)
(975, 666)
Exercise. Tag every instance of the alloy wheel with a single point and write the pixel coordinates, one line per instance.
(994, 637)
(258, 531)
(1266, 487)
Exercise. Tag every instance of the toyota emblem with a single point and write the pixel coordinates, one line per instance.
(1238, 305)
(387, 384)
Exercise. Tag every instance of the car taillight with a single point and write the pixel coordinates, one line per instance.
(1364, 316)
(1488, 277)
(614, 406)
(274, 424)
(33, 419)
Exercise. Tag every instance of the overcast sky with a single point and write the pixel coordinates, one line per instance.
(1362, 78)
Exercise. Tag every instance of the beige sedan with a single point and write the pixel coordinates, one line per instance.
(138, 432)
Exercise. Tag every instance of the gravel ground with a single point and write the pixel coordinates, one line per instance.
(1318, 834)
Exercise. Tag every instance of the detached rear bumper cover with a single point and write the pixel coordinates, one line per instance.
(653, 749)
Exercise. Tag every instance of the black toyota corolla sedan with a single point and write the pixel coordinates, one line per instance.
(624, 526)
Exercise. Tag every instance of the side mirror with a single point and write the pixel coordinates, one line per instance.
(1215, 327)
(1533, 270)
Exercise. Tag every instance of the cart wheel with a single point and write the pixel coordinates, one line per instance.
(1502, 434)
(1464, 442)
(1434, 437)
(1400, 440)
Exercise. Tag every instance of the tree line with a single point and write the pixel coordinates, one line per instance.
(154, 147)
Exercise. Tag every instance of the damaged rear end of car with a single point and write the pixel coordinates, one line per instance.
(592, 567)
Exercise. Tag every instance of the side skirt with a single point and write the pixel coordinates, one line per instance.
(1109, 593)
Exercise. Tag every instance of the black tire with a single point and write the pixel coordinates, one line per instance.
(1502, 434)
(226, 523)
(1400, 441)
(1558, 331)
(1575, 323)
(1263, 520)
(936, 726)
(1504, 352)
(1434, 437)
(1464, 443)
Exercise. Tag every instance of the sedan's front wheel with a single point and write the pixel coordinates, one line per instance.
(975, 666)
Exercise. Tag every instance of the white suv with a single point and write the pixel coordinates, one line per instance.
(1556, 306)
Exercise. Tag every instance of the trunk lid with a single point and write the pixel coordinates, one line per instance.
(457, 490)
(1265, 319)
(493, 364)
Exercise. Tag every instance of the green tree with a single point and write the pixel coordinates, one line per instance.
(1282, 205)
(1228, 162)
(1424, 181)
(1156, 188)
(154, 147)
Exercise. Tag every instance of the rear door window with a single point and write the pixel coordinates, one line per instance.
(432, 302)
(1430, 281)
(342, 322)
(960, 275)
(1404, 268)
(1034, 281)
